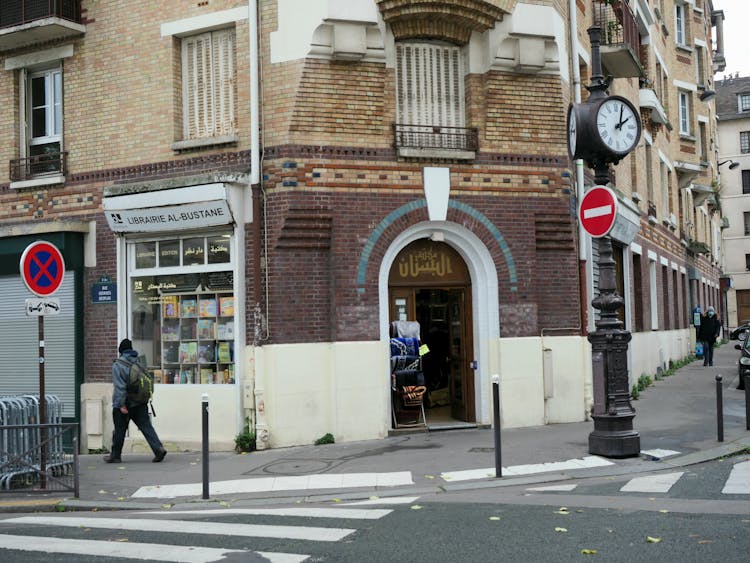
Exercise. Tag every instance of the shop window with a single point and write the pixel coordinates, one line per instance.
(182, 308)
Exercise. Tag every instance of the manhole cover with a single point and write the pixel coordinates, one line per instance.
(295, 467)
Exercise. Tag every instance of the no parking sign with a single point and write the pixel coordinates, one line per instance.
(42, 268)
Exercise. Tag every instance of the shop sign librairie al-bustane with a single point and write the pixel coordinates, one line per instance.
(170, 218)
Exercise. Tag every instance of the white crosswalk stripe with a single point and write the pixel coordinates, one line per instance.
(179, 522)
(660, 483)
(143, 551)
(308, 533)
(738, 482)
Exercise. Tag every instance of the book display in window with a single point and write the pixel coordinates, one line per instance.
(207, 307)
(169, 307)
(206, 329)
(226, 306)
(197, 338)
(187, 308)
(188, 352)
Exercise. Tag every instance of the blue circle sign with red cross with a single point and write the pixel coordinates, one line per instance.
(42, 268)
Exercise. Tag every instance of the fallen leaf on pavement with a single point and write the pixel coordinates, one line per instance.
(374, 497)
(166, 506)
(494, 518)
(561, 529)
(664, 511)
(123, 539)
(649, 539)
(120, 498)
(336, 500)
(102, 492)
(223, 503)
(416, 507)
(588, 551)
(429, 476)
(705, 541)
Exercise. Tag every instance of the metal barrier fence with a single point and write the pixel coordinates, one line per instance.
(37, 457)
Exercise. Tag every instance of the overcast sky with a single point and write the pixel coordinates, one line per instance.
(736, 23)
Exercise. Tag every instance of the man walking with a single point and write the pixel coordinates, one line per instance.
(125, 409)
(708, 333)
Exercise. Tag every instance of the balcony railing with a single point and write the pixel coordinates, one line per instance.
(38, 166)
(620, 38)
(435, 140)
(19, 12)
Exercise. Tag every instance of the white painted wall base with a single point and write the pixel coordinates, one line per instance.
(177, 422)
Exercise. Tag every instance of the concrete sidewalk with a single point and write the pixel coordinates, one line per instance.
(675, 414)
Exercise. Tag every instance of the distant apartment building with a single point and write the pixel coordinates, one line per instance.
(268, 185)
(733, 109)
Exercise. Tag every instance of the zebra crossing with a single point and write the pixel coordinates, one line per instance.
(37, 537)
(736, 481)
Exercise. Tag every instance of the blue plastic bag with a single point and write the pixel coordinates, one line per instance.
(699, 349)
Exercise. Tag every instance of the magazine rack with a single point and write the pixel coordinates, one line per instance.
(407, 384)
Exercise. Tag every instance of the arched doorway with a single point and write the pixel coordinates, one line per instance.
(429, 282)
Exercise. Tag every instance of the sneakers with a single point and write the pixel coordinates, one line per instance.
(159, 455)
(110, 459)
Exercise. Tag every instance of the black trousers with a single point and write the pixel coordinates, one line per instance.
(139, 415)
(708, 352)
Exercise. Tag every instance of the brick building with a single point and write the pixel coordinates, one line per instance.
(268, 185)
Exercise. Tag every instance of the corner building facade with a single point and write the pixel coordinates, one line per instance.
(370, 161)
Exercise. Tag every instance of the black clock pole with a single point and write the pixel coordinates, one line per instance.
(613, 414)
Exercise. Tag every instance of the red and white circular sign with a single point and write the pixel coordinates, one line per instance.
(598, 211)
(42, 268)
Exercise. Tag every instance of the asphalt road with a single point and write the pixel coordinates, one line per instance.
(592, 519)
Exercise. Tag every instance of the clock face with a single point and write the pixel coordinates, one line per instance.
(618, 125)
(572, 130)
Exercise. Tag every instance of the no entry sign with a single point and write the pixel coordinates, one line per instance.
(598, 211)
(42, 268)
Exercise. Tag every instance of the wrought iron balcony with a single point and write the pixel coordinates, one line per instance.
(43, 165)
(435, 141)
(26, 22)
(621, 40)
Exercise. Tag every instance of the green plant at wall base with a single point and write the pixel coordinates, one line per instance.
(245, 440)
(325, 439)
(634, 393)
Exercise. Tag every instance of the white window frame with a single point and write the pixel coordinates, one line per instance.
(52, 107)
(679, 24)
(743, 102)
(209, 106)
(683, 106)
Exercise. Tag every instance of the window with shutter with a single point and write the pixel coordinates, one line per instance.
(209, 84)
(430, 96)
(430, 84)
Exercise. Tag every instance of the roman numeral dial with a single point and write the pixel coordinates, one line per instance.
(618, 125)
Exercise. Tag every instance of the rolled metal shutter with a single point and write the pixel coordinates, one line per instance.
(19, 336)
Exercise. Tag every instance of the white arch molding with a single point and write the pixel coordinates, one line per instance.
(484, 296)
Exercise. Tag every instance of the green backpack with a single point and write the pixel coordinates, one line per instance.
(140, 386)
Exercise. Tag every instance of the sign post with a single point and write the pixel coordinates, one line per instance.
(42, 269)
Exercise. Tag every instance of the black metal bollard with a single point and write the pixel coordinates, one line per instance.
(496, 421)
(747, 401)
(204, 413)
(719, 410)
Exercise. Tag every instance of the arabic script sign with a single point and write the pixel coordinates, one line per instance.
(427, 261)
